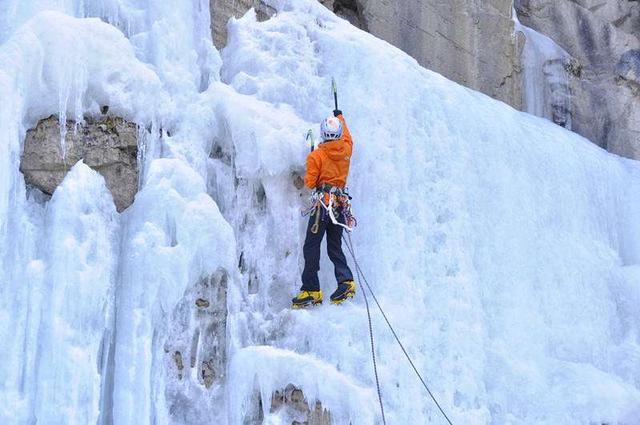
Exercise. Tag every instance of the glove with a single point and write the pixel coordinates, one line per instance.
(337, 112)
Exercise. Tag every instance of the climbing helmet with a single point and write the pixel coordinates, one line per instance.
(330, 129)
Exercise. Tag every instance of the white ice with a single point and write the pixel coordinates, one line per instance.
(504, 249)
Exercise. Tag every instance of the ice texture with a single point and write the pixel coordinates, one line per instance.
(546, 80)
(504, 249)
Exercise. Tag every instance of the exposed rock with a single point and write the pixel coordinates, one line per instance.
(469, 42)
(298, 181)
(208, 373)
(222, 10)
(602, 38)
(347, 9)
(108, 145)
(202, 303)
(177, 358)
(292, 404)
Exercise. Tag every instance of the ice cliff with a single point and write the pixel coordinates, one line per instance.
(505, 249)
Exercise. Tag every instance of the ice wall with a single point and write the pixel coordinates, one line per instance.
(498, 241)
(88, 298)
(504, 248)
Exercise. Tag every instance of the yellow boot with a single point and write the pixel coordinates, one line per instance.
(307, 299)
(346, 289)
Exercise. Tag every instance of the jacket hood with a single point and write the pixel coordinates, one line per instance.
(336, 149)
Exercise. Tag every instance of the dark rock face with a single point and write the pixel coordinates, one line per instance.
(108, 145)
(602, 40)
(351, 10)
(469, 42)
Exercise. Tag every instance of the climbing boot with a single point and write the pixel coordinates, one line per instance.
(346, 289)
(307, 299)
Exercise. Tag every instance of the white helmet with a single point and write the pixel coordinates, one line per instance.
(330, 129)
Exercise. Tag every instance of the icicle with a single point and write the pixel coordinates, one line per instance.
(546, 82)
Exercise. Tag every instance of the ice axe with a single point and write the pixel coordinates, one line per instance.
(311, 141)
(309, 137)
(335, 92)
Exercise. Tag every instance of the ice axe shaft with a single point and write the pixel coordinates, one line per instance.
(335, 91)
(309, 136)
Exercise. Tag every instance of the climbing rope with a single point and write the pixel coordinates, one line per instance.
(361, 278)
(373, 351)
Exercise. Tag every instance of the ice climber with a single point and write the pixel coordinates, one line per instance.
(327, 171)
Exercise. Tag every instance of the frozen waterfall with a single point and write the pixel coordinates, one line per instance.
(504, 248)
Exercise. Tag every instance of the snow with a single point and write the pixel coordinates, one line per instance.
(504, 249)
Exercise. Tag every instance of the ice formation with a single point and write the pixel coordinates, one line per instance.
(504, 249)
(546, 80)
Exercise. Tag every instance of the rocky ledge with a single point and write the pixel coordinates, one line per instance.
(109, 145)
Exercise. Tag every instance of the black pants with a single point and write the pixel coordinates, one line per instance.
(311, 251)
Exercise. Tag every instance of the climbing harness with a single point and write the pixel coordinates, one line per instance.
(362, 278)
(336, 202)
(344, 206)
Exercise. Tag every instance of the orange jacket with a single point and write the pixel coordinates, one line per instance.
(329, 163)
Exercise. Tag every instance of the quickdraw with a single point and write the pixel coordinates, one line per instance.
(316, 224)
(313, 205)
